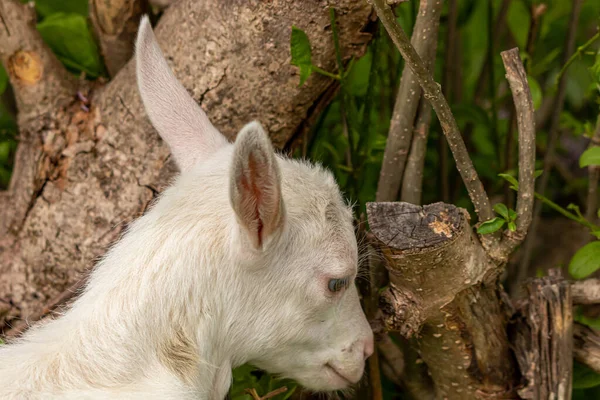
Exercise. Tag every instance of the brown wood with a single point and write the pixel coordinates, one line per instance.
(444, 291)
(115, 23)
(542, 334)
(82, 176)
(586, 346)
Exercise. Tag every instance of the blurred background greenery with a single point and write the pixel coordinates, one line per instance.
(477, 92)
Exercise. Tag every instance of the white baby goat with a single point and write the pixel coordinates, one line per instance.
(248, 257)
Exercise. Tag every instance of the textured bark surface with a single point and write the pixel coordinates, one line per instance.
(586, 346)
(543, 337)
(443, 289)
(115, 23)
(102, 168)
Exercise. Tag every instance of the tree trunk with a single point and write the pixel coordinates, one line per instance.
(444, 290)
(81, 176)
(543, 337)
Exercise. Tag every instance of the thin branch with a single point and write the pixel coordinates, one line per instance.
(39, 80)
(536, 13)
(115, 24)
(517, 79)
(424, 38)
(434, 95)
(586, 346)
(593, 177)
(586, 291)
(449, 88)
(576, 55)
(551, 147)
(499, 27)
(412, 183)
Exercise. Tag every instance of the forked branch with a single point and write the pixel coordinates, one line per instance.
(433, 94)
(424, 40)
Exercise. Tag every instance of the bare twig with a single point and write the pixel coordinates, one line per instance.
(586, 346)
(586, 291)
(536, 13)
(499, 27)
(433, 94)
(552, 141)
(424, 39)
(450, 86)
(412, 183)
(593, 177)
(517, 78)
(255, 396)
(39, 80)
(115, 23)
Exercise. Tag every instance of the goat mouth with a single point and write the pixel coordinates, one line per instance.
(336, 373)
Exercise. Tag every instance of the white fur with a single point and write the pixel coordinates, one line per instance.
(190, 292)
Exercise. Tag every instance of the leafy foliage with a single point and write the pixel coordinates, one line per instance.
(246, 377)
(81, 55)
(586, 261)
(590, 157)
(301, 53)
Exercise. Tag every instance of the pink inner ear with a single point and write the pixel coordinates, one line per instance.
(253, 197)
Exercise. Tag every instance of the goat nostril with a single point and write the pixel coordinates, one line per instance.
(369, 347)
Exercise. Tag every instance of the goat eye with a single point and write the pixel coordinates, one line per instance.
(335, 285)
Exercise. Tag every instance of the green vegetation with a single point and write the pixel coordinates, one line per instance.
(350, 135)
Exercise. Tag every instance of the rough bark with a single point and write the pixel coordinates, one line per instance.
(424, 40)
(433, 93)
(443, 287)
(586, 292)
(108, 164)
(586, 346)
(41, 84)
(115, 23)
(542, 335)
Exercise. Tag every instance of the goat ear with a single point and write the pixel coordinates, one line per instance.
(173, 112)
(255, 187)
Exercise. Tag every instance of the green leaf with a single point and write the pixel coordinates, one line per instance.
(3, 79)
(536, 91)
(590, 157)
(45, 8)
(68, 35)
(512, 215)
(538, 173)
(511, 179)
(586, 261)
(512, 226)
(584, 377)
(491, 226)
(502, 210)
(301, 53)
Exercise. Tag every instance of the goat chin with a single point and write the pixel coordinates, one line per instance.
(247, 257)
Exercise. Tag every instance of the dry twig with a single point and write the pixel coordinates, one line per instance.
(586, 346)
(586, 291)
(552, 141)
(433, 94)
(424, 42)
